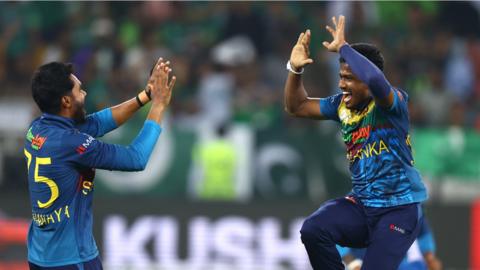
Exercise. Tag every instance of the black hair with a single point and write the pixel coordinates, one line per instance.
(50, 83)
(370, 51)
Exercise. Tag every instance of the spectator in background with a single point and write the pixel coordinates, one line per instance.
(215, 97)
(218, 82)
(434, 101)
(214, 170)
(459, 71)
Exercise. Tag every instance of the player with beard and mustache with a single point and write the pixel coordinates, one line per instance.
(382, 212)
(61, 154)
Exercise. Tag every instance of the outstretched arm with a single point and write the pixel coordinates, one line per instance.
(365, 70)
(297, 102)
(108, 119)
(134, 157)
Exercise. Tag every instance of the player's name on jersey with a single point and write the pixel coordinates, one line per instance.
(56, 216)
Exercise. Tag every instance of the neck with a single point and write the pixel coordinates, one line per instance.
(364, 104)
(65, 113)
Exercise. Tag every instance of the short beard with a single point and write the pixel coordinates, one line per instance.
(79, 115)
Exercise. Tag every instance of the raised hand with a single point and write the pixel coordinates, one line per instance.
(160, 83)
(300, 55)
(338, 34)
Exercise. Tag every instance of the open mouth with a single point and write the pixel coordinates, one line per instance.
(347, 96)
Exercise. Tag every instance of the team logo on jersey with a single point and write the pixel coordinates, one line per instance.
(82, 148)
(37, 141)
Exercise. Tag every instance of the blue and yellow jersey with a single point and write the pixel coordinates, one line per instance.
(60, 157)
(379, 151)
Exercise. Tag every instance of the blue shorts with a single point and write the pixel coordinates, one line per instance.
(94, 264)
(386, 233)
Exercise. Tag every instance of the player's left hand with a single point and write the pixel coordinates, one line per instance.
(338, 34)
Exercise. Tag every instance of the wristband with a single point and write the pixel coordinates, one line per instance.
(148, 91)
(290, 68)
(139, 101)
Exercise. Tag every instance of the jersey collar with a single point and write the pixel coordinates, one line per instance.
(62, 121)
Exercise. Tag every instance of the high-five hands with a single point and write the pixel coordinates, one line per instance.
(160, 83)
(300, 55)
(338, 34)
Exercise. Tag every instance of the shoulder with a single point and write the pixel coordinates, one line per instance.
(75, 141)
(333, 99)
(400, 94)
(331, 102)
(399, 106)
(329, 106)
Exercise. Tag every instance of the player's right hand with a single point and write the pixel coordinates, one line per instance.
(300, 56)
(160, 83)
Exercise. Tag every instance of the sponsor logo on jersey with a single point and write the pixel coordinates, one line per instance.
(82, 148)
(37, 141)
(394, 227)
(361, 133)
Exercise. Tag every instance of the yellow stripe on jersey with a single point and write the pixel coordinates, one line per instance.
(350, 117)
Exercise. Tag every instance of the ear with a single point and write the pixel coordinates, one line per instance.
(66, 102)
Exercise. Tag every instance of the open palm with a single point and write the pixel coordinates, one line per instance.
(338, 34)
(300, 56)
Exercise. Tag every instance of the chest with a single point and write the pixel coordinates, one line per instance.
(357, 127)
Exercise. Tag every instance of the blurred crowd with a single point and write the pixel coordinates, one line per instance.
(229, 57)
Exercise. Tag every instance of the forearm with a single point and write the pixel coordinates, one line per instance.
(295, 93)
(156, 113)
(133, 157)
(367, 72)
(122, 112)
(144, 143)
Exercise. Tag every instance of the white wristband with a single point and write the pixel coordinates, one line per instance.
(290, 68)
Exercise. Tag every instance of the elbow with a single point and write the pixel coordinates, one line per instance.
(142, 163)
(139, 166)
(289, 110)
(297, 110)
(293, 110)
(139, 161)
(136, 166)
(378, 85)
(375, 80)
